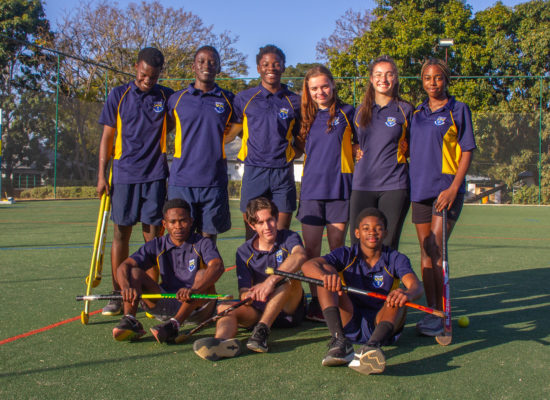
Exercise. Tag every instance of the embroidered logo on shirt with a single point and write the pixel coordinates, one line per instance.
(279, 256)
(158, 106)
(378, 280)
(391, 121)
(283, 113)
(440, 121)
(335, 122)
(220, 108)
(192, 265)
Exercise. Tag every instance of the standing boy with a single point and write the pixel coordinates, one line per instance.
(202, 112)
(187, 263)
(270, 115)
(134, 120)
(274, 302)
(370, 266)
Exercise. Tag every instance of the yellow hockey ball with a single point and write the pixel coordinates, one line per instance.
(463, 321)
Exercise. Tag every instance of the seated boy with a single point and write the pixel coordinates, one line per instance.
(273, 301)
(371, 266)
(188, 263)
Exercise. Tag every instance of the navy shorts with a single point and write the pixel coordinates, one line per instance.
(134, 202)
(422, 211)
(323, 212)
(361, 326)
(285, 320)
(277, 184)
(209, 207)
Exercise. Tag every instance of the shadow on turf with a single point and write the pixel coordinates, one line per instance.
(502, 307)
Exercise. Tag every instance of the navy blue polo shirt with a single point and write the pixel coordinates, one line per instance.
(270, 123)
(383, 277)
(177, 265)
(140, 122)
(252, 263)
(383, 165)
(437, 141)
(328, 164)
(200, 120)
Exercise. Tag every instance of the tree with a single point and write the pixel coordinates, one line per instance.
(94, 31)
(494, 43)
(24, 73)
(348, 27)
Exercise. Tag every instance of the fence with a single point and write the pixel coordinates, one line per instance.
(50, 135)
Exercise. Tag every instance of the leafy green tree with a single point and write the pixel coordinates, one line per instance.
(24, 72)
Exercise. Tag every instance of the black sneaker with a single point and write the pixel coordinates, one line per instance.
(113, 307)
(369, 360)
(258, 340)
(314, 312)
(128, 328)
(165, 332)
(213, 349)
(340, 351)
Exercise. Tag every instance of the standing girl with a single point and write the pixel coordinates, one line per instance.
(326, 133)
(442, 141)
(381, 177)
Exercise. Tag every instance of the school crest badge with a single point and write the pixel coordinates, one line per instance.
(440, 121)
(279, 256)
(378, 280)
(390, 121)
(219, 107)
(158, 106)
(283, 113)
(336, 121)
(192, 265)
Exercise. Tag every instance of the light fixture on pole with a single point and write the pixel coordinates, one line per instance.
(446, 42)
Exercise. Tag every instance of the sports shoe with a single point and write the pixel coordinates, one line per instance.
(430, 325)
(369, 360)
(258, 340)
(113, 307)
(128, 328)
(314, 312)
(166, 332)
(340, 351)
(213, 349)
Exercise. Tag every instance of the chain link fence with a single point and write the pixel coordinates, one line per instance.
(50, 135)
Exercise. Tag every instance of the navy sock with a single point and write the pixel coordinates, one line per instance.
(382, 332)
(333, 320)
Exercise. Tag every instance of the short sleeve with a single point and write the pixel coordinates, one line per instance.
(244, 276)
(146, 256)
(109, 113)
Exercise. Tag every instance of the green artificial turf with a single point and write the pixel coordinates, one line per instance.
(499, 266)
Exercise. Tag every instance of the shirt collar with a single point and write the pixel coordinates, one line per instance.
(380, 264)
(449, 106)
(216, 91)
(250, 243)
(283, 91)
(169, 245)
(392, 105)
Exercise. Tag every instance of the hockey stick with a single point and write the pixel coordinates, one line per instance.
(182, 337)
(94, 297)
(318, 282)
(447, 336)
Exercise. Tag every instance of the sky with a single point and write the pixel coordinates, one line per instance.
(297, 28)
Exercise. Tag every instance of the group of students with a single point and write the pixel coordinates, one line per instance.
(361, 166)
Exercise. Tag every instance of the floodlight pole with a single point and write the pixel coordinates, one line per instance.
(446, 42)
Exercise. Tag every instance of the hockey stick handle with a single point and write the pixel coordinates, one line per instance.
(93, 297)
(318, 282)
